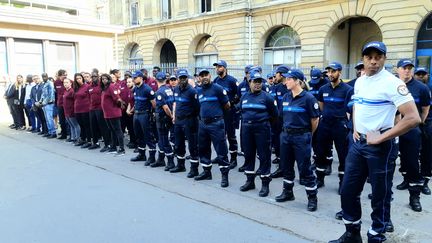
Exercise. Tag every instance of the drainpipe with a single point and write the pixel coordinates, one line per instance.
(250, 32)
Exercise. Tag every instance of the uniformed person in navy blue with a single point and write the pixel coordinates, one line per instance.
(377, 97)
(185, 109)
(332, 99)
(229, 83)
(300, 119)
(410, 142)
(213, 102)
(144, 102)
(359, 68)
(278, 90)
(163, 114)
(421, 74)
(257, 108)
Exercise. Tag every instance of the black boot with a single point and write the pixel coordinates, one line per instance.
(265, 190)
(152, 158)
(160, 160)
(403, 186)
(320, 179)
(140, 156)
(233, 160)
(205, 175)
(341, 176)
(277, 173)
(170, 163)
(180, 167)
(351, 235)
(312, 203)
(339, 215)
(425, 189)
(193, 170)
(414, 201)
(276, 161)
(242, 168)
(287, 193)
(224, 180)
(250, 183)
(389, 227)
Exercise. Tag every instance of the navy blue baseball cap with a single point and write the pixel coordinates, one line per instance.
(376, 45)
(315, 75)
(270, 75)
(359, 65)
(138, 74)
(248, 68)
(294, 73)
(161, 76)
(172, 77)
(420, 70)
(282, 69)
(259, 68)
(204, 70)
(255, 74)
(220, 63)
(404, 62)
(335, 66)
(182, 72)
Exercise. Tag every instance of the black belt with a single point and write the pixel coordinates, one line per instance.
(49, 103)
(184, 117)
(255, 122)
(363, 137)
(141, 112)
(209, 120)
(296, 130)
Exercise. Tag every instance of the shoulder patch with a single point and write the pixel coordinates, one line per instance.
(275, 103)
(224, 92)
(316, 106)
(159, 97)
(403, 90)
(152, 92)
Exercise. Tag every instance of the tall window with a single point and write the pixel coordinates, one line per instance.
(61, 55)
(3, 57)
(205, 6)
(166, 9)
(29, 57)
(135, 58)
(205, 54)
(133, 10)
(282, 47)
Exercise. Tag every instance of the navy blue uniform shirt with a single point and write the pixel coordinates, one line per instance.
(164, 96)
(186, 101)
(334, 99)
(143, 95)
(229, 84)
(212, 99)
(420, 93)
(280, 90)
(315, 86)
(258, 107)
(298, 111)
(243, 88)
(352, 82)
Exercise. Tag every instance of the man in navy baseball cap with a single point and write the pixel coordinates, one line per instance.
(220, 63)
(421, 74)
(182, 73)
(315, 75)
(404, 62)
(137, 74)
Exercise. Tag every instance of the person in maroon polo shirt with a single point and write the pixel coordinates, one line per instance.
(97, 121)
(59, 89)
(150, 81)
(82, 109)
(68, 106)
(111, 107)
(127, 119)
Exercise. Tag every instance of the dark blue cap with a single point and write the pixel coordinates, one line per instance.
(161, 76)
(248, 68)
(376, 45)
(282, 69)
(359, 65)
(334, 66)
(220, 63)
(138, 74)
(270, 75)
(404, 62)
(315, 75)
(259, 68)
(421, 70)
(173, 77)
(204, 70)
(182, 72)
(255, 74)
(294, 73)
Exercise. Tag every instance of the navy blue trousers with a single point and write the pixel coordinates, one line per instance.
(213, 132)
(378, 163)
(426, 150)
(256, 138)
(163, 124)
(141, 123)
(409, 148)
(186, 128)
(230, 121)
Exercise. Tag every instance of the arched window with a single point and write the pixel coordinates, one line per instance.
(205, 53)
(135, 58)
(282, 47)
